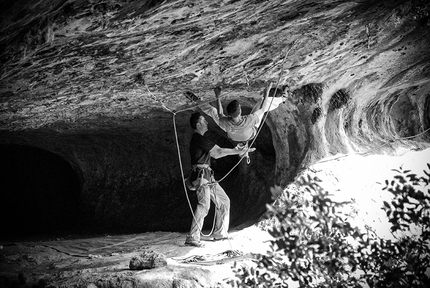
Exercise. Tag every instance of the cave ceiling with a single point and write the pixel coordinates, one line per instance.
(77, 65)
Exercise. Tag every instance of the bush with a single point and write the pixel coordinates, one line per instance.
(315, 246)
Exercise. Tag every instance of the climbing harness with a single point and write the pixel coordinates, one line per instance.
(244, 147)
(200, 173)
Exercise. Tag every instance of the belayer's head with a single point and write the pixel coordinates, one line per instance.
(198, 122)
(234, 109)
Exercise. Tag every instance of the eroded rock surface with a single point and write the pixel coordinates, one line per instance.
(148, 260)
(100, 84)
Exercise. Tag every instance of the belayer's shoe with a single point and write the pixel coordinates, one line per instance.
(206, 238)
(222, 238)
(194, 243)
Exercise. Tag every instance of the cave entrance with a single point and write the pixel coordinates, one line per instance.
(39, 194)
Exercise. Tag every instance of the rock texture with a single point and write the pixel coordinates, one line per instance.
(148, 260)
(96, 88)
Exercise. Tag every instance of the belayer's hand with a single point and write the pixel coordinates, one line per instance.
(252, 150)
(245, 151)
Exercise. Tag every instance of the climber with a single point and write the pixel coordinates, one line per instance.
(202, 149)
(243, 128)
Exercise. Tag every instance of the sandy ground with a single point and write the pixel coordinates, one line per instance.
(104, 261)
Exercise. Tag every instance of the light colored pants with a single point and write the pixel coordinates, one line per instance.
(206, 193)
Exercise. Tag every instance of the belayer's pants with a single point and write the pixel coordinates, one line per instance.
(206, 193)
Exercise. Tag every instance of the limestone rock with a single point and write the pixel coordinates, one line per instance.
(148, 260)
(92, 98)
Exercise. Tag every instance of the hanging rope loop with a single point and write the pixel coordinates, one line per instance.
(213, 183)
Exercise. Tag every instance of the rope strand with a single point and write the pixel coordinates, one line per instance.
(241, 157)
(183, 179)
(264, 117)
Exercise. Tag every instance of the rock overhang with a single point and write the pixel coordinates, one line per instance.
(98, 83)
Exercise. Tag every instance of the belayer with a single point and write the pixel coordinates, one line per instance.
(202, 149)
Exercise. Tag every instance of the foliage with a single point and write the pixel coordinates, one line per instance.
(315, 246)
(408, 211)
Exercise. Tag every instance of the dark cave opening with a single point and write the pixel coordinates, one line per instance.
(40, 194)
(127, 182)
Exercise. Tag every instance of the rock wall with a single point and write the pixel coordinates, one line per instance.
(100, 83)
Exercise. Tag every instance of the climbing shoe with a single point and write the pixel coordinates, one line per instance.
(222, 238)
(194, 243)
(206, 238)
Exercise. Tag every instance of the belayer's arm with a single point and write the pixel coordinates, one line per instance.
(218, 152)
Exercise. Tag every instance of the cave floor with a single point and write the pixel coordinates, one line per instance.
(104, 261)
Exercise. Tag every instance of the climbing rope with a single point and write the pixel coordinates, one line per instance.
(181, 165)
(179, 153)
(208, 259)
(183, 179)
(252, 142)
(213, 183)
(264, 117)
(241, 157)
(156, 99)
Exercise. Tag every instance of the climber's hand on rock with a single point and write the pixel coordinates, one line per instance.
(217, 91)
